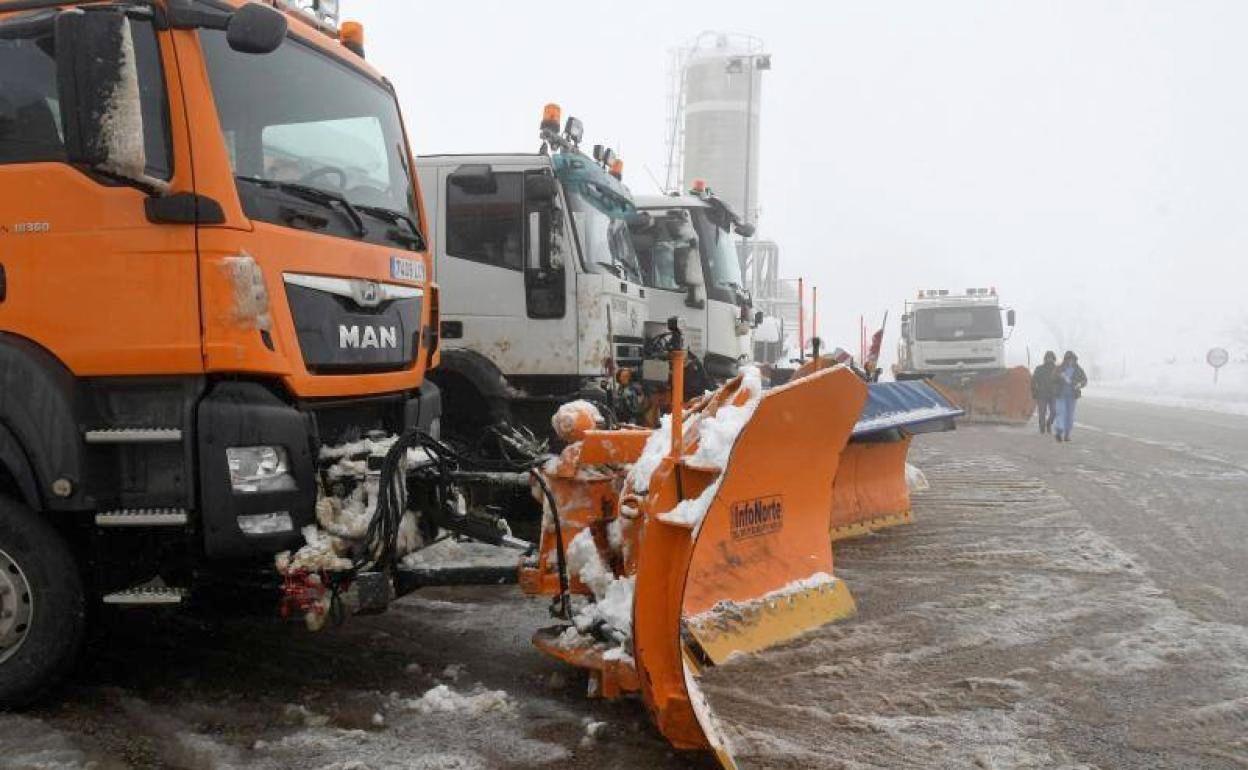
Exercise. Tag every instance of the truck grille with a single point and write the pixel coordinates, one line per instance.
(956, 361)
(353, 326)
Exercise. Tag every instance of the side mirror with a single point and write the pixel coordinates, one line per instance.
(745, 230)
(98, 87)
(253, 28)
(475, 179)
(1009, 318)
(758, 319)
(256, 28)
(539, 188)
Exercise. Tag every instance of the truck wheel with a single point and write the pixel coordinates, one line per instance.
(42, 610)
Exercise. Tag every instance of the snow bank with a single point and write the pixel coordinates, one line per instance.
(321, 553)
(1186, 384)
(916, 480)
(444, 700)
(613, 596)
(717, 434)
(343, 520)
(689, 513)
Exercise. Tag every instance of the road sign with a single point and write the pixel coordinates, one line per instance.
(1217, 358)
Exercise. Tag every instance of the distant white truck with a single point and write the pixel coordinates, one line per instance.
(952, 334)
(958, 342)
(541, 293)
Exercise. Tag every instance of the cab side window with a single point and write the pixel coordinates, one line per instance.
(30, 117)
(487, 225)
(153, 100)
(30, 112)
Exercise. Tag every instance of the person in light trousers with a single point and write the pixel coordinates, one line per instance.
(1070, 381)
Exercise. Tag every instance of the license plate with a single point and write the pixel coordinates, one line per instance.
(407, 269)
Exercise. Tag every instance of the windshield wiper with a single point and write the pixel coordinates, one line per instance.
(412, 237)
(315, 195)
(613, 268)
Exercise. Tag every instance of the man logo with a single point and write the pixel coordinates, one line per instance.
(761, 516)
(361, 338)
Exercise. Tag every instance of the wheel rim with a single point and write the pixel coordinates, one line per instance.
(17, 607)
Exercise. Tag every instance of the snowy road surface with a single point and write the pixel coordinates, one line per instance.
(1075, 605)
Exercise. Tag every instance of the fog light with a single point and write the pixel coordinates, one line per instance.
(259, 469)
(266, 523)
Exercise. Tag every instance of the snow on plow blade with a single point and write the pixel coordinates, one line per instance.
(1001, 397)
(871, 491)
(719, 531)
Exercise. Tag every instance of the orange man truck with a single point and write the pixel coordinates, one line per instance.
(212, 267)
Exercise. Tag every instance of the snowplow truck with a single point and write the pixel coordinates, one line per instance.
(670, 550)
(543, 300)
(212, 267)
(957, 342)
(691, 271)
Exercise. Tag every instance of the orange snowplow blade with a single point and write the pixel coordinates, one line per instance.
(721, 560)
(1003, 397)
(870, 491)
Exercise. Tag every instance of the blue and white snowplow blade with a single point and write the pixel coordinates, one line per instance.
(913, 405)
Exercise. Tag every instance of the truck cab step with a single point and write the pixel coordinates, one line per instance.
(133, 436)
(142, 517)
(146, 596)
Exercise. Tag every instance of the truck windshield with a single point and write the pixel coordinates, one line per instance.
(297, 117)
(719, 256)
(948, 324)
(605, 241)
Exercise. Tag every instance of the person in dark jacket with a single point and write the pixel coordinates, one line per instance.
(1044, 390)
(1070, 381)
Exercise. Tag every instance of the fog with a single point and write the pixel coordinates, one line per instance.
(1088, 159)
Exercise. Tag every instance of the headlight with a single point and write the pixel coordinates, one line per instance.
(266, 523)
(259, 469)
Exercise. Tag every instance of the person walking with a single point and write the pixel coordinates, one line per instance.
(1044, 390)
(1070, 381)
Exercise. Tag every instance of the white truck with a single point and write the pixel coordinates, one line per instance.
(542, 297)
(690, 267)
(952, 334)
(958, 341)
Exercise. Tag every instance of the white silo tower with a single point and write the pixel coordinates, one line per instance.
(713, 124)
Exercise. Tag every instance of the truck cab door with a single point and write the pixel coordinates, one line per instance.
(669, 252)
(92, 272)
(504, 267)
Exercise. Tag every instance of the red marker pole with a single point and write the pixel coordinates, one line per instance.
(814, 312)
(801, 321)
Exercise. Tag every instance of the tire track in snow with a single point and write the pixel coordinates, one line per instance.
(999, 630)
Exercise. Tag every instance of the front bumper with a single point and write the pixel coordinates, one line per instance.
(237, 414)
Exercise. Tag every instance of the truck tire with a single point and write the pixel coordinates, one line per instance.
(42, 607)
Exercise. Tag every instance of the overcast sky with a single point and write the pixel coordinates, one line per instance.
(1086, 158)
